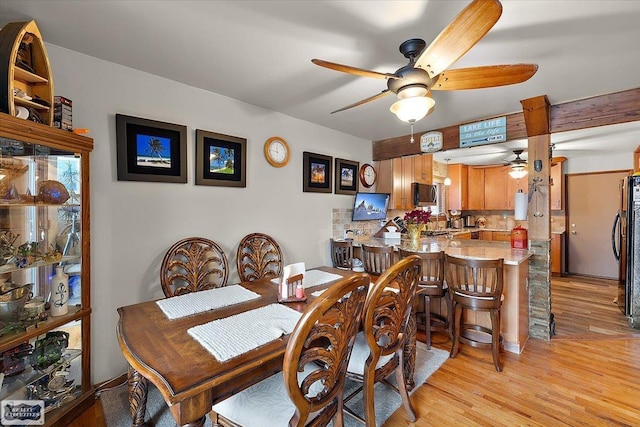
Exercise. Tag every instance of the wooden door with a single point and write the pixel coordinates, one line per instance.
(556, 187)
(592, 202)
(402, 179)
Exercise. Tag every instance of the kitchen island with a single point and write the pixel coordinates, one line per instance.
(514, 314)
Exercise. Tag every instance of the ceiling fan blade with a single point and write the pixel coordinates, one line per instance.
(484, 77)
(353, 70)
(459, 36)
(364, 101)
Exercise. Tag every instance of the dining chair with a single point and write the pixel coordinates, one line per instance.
(309, 390)
(193, 264)
(376, 259)
(259, 257)
(476, 285)
(342, 254)
(432, 286)
(379, 348)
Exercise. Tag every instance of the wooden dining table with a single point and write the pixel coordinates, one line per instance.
(187, 375)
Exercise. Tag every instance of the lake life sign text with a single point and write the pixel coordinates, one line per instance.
(484, 132)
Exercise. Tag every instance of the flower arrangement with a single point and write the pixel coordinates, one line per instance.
(417, 216)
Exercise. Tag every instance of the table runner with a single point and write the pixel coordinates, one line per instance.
(314, 278)
(197, 302)
(234, 335)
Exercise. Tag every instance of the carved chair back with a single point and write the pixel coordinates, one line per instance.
(317, 355)
(193, 264)
(258, 257)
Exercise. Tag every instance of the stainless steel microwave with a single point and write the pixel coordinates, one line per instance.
(424, 194)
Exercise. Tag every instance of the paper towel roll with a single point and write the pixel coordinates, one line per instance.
(521, 206)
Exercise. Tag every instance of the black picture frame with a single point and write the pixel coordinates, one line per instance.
(230, 153)
(317, 174)
(346, 176)
(150, 150)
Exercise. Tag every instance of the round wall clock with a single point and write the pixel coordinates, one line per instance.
(276, 150)
(368, 175)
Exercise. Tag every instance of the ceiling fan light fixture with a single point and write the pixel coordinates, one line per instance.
(411, 91)
(412, 109)
(518, 171)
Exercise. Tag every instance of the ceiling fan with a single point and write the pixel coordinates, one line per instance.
(427, 67)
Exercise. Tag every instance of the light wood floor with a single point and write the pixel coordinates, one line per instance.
(587, 375)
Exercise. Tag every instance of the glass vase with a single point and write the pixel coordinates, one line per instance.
(414, 231)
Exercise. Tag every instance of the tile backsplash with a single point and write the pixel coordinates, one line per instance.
(341, 222)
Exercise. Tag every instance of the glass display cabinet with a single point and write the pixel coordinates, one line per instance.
(45, 268)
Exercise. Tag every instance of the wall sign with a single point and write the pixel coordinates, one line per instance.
(431, 142)
(484, 132)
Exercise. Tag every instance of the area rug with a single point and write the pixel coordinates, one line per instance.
(115, 401)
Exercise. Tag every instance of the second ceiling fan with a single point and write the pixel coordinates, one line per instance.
(427, 67)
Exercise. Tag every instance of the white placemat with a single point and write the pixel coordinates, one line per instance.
(197, 302)
(232, 336)
(314, 278)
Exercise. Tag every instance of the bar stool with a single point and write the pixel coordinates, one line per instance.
(432, 286)
(476, 284)
(376, 259)
(342, 254)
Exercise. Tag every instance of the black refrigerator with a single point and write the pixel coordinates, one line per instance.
(625, 238)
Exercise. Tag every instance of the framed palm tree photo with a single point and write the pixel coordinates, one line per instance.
(149, 150)
(220, 159)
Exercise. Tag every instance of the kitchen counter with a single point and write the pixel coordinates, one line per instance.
(514, 318)
(474, 249)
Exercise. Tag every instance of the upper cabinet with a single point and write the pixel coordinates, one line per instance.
(423, 168)
(491, 188)
(458, 190)
(556, 184)
(476, 188)
(395, 176)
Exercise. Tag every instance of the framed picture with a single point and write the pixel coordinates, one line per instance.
(316, 173)
(149, 150)
(220, 159)
(346, 176)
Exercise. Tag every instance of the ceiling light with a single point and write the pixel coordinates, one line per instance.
(412, 109)
(518, 171)
(447, 180)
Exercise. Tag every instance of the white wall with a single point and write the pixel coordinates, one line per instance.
(611, 162)
(134, 223)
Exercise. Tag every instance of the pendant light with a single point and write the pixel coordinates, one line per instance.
(447, 180)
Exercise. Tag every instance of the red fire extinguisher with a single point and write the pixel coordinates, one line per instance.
(519, 239)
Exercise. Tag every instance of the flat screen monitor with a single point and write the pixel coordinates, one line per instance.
(370, 206)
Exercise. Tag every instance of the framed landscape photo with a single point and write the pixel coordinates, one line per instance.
(346, 176)
(149, 150)
(220, 159)
(316, 173)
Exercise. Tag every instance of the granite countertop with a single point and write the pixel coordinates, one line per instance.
(475, 249)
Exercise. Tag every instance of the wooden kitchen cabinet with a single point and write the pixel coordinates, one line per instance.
(423, 168)
(496, 188)
(556, 254)
(395, 176)
(475, 188)
(557, 179)
(501, 236)
(500, 188)
(457, 197)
